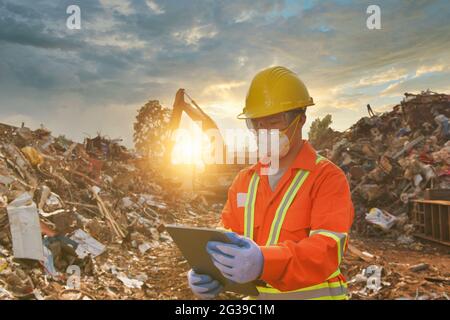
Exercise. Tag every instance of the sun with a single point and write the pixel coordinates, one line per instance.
(190, 145)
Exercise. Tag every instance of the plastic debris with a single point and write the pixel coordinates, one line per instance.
(381, 218)
(130, 283)
(25, 228)
(87, 245)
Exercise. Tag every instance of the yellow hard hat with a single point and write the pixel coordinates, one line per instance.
(274, 90)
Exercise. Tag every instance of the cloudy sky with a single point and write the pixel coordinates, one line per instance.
(80, 82)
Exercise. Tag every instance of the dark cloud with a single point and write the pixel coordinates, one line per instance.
(128, 52)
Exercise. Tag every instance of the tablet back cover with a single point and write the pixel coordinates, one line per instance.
(192, 243)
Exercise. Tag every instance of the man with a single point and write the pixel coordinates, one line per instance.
(290, 229)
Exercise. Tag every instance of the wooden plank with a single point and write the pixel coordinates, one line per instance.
(421, 216)
(422, 213)
(428, 223)
(446, 243)
(441, 202)
(443, 223)
(448, 222)
(356, 252)
(435, 221)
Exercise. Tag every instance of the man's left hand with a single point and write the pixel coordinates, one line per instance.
(240, 261)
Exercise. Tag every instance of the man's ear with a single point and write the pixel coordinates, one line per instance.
(303, 119)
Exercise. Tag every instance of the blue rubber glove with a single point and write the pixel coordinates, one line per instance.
(203, 286)
(242, 261)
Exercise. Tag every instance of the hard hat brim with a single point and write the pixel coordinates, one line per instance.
(243, 115)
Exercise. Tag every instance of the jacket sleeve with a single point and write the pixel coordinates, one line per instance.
(292, 265)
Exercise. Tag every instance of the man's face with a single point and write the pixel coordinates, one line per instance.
(284, 129)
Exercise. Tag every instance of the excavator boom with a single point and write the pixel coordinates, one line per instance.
(194, 112)
(216, 178)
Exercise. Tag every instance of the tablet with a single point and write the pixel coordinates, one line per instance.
(192, 243)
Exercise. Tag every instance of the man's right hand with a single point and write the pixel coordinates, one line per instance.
(203, 286)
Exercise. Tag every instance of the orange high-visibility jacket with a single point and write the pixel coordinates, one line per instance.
(305, 253)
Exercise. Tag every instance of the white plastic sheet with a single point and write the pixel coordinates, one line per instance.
(87, 244)
(25, 228)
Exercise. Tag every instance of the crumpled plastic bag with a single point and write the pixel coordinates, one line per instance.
(381, 218)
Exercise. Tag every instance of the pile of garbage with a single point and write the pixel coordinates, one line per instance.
(74, 213)
(393, 157)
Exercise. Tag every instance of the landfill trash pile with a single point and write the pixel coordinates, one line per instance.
(392, 158)
(83, 221)
(86, 220)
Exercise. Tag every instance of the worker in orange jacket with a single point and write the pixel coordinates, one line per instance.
(289, 229)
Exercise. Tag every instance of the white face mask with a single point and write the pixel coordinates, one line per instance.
(284, 140)
(283, 144)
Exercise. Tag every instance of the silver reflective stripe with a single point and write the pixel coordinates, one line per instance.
(249, 210)
(284, 206)
(341, 236)
(304, 295)
(250, 206)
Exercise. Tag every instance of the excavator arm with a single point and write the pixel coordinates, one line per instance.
(194, 112)
(216, 178)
